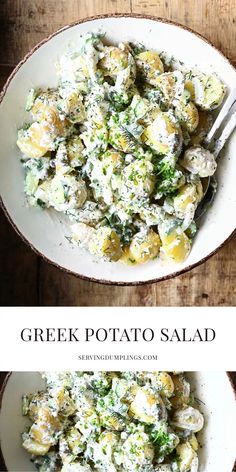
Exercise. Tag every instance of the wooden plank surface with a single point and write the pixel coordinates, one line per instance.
(25, 278)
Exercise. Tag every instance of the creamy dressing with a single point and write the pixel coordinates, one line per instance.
(114, 144)
(113, 422)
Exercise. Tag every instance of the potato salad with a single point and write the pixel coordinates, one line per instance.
(113, 422)
(117, 146)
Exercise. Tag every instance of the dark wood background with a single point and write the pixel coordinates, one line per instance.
(28, 280)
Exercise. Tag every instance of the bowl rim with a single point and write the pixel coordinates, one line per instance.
(2, 95)
(8, 375)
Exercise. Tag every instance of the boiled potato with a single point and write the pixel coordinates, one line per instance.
(171, 85)
(44, 106)
(186, 454)
(110, 421)
(187, 113)
(35, 141)
(79, 65)
(204, 125)
(193, 442)
(105, 242)
(35, 448)
(189, 88)
(182, 391)
(67, 192)
(176, 246)
(188, 197)
(82, 234)
(126, 257)
(163, 382)
(149, 66)
(45, 109)
(46, 425)
(188, 418)
(164, 134)
(200, 161)
(115, 60)
(146, 406)
(66, 406)
(209, 91)
(40, 136)
(120, 387)
(72, 107)
(144, 246)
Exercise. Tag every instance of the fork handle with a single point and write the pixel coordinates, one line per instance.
(229, 128)
(225, 110)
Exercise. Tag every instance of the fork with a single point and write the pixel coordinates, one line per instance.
(227, 117)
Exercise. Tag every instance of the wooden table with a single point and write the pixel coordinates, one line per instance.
(28, 280)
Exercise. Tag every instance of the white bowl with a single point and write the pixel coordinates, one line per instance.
(44, 230)
(217, 403)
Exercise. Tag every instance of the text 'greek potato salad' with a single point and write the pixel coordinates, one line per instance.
(117, 148)
(113, 422)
